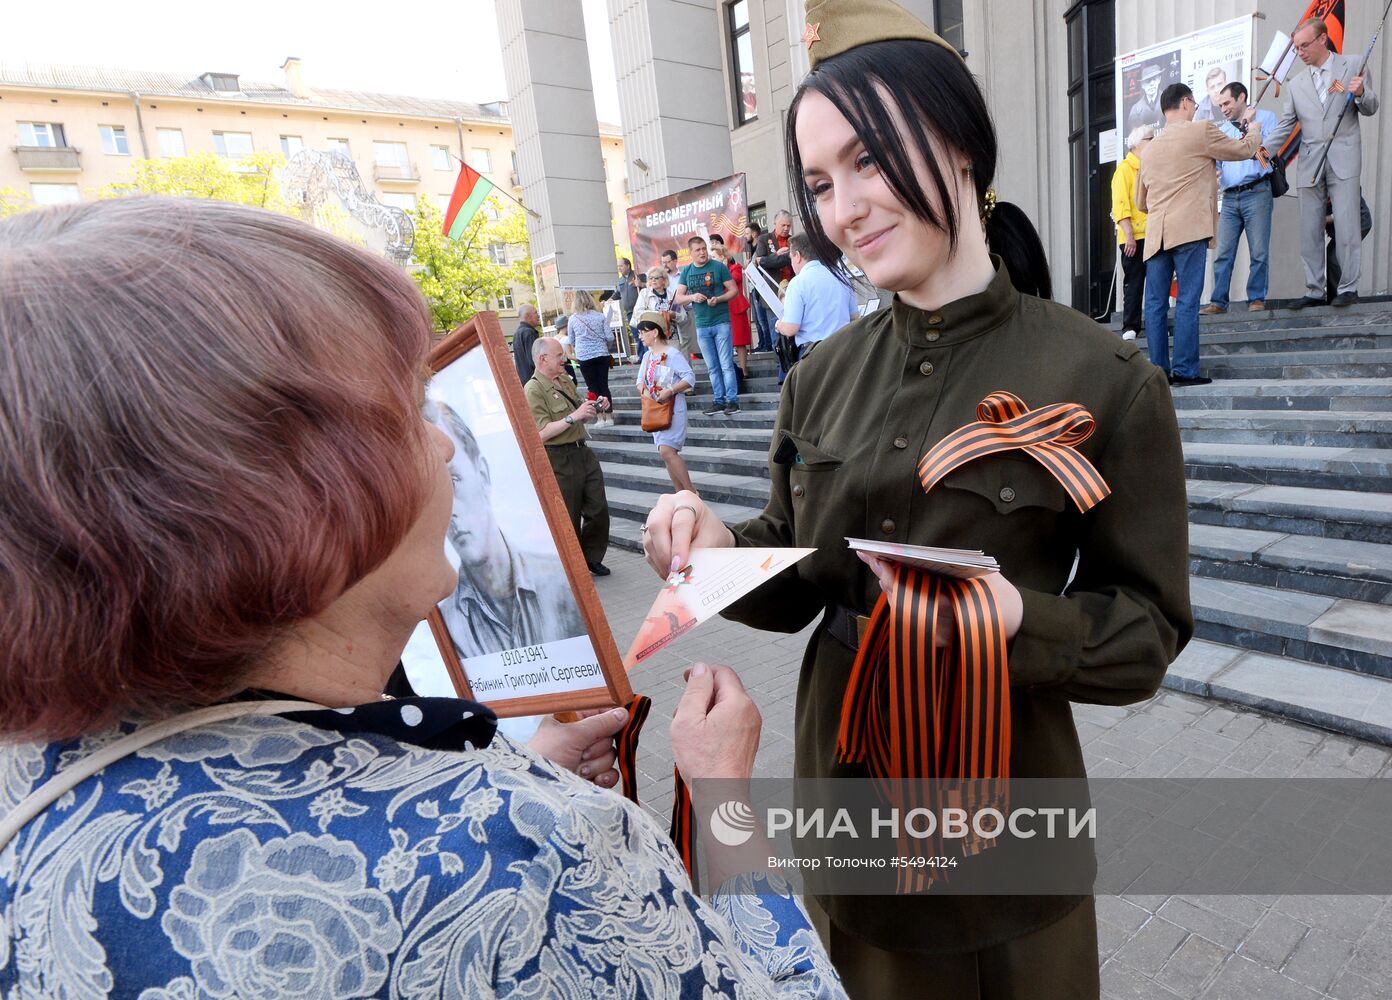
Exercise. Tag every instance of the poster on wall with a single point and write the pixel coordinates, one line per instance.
(1206, 60)
(667, 223)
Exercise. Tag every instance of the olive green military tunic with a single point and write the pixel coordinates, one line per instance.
(576, 467)
(855, 418)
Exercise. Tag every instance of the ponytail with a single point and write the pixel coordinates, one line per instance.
(1011, 236)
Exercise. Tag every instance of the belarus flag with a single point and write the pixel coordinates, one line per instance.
(470, 192)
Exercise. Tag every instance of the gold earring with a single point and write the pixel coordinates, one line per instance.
(988, 205)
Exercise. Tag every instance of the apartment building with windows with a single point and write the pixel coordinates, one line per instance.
(73, 130)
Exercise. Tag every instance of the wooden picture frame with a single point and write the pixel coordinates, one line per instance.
(479, 345)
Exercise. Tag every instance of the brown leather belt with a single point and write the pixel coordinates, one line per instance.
(845, 626)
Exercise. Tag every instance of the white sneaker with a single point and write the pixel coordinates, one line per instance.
(1128, 335)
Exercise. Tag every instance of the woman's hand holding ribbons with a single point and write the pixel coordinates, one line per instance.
(1007, 599)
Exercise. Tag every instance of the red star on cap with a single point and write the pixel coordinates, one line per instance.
(810, 35)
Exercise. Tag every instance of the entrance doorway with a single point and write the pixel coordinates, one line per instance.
(1091, 111)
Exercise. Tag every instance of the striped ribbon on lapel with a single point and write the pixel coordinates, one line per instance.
(915, 710)
(1049, 434)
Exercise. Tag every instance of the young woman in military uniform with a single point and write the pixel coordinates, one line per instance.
(895, 152)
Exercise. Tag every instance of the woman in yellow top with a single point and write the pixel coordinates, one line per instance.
(1130, 223)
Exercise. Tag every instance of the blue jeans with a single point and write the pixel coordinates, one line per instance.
(719, 351)
(1185, 262)
(1250, 211)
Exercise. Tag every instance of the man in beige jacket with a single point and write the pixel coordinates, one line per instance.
(1178, 187)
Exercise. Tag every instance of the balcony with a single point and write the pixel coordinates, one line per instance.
(395, 173)
(49, 159)
(514, 180)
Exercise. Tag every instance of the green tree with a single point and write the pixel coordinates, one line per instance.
(13, 202)
(250, 180)
(459, 277)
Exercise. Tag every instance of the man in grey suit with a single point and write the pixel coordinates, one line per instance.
(1315, 96)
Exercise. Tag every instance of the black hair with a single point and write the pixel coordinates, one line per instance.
(717, 238)
(1236, 91)
(606, 295)
(934, 93)
(754, 227)
(1174, 95)
(669, 253)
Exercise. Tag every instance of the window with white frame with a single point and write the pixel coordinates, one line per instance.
(398, 199)
(291, 144)
(54, 194)
(171, 141)
(440, 158)
(338, 146)
(505, 302)
(113, 140)
(481, 160)
(390, 154)
(497, 253)
(233, 145)
(49, 134)
(442, 202)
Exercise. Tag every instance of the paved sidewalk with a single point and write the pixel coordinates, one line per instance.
(1152, 947)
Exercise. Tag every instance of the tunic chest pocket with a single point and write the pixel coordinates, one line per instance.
(808, 465)
(1010, 481)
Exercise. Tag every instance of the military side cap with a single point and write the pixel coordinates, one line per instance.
(836, 26)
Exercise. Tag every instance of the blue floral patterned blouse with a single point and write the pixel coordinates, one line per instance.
(394, 850)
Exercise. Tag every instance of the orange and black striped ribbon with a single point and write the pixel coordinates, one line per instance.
(683, 815)
(1049, 434)
(914, 711)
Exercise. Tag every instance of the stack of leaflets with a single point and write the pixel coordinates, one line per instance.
(965, 564)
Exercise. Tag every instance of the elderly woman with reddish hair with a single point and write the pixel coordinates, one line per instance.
(222, 514)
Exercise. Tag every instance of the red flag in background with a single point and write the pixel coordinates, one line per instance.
(1332, 12)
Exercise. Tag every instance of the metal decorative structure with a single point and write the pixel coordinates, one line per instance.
(311, 176)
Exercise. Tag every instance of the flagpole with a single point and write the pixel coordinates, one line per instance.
(498, 190)
(1349, 98)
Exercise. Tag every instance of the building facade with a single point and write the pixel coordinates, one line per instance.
(75, 130)
(1047, 68)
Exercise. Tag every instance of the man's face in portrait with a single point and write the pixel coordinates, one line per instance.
(471, 523)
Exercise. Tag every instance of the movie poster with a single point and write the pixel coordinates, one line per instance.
(1207, 61)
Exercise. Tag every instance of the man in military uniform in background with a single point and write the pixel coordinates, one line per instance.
(560, 417)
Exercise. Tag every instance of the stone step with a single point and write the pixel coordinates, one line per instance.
(1359, 571)
(1338, 429)
(714, 432)
(724, 460)
(1375, 363)
(1361, 395)
(1352, 704)
(1311, 342)
(744, 491)
(1294, 510)
(1335, 632)
(755, 407)
(1361, 469)
(1368, 312)
(627, 504)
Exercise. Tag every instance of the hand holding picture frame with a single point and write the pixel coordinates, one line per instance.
(524, 632)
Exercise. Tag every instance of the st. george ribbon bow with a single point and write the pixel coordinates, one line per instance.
(1049, 434)
(913, 711)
